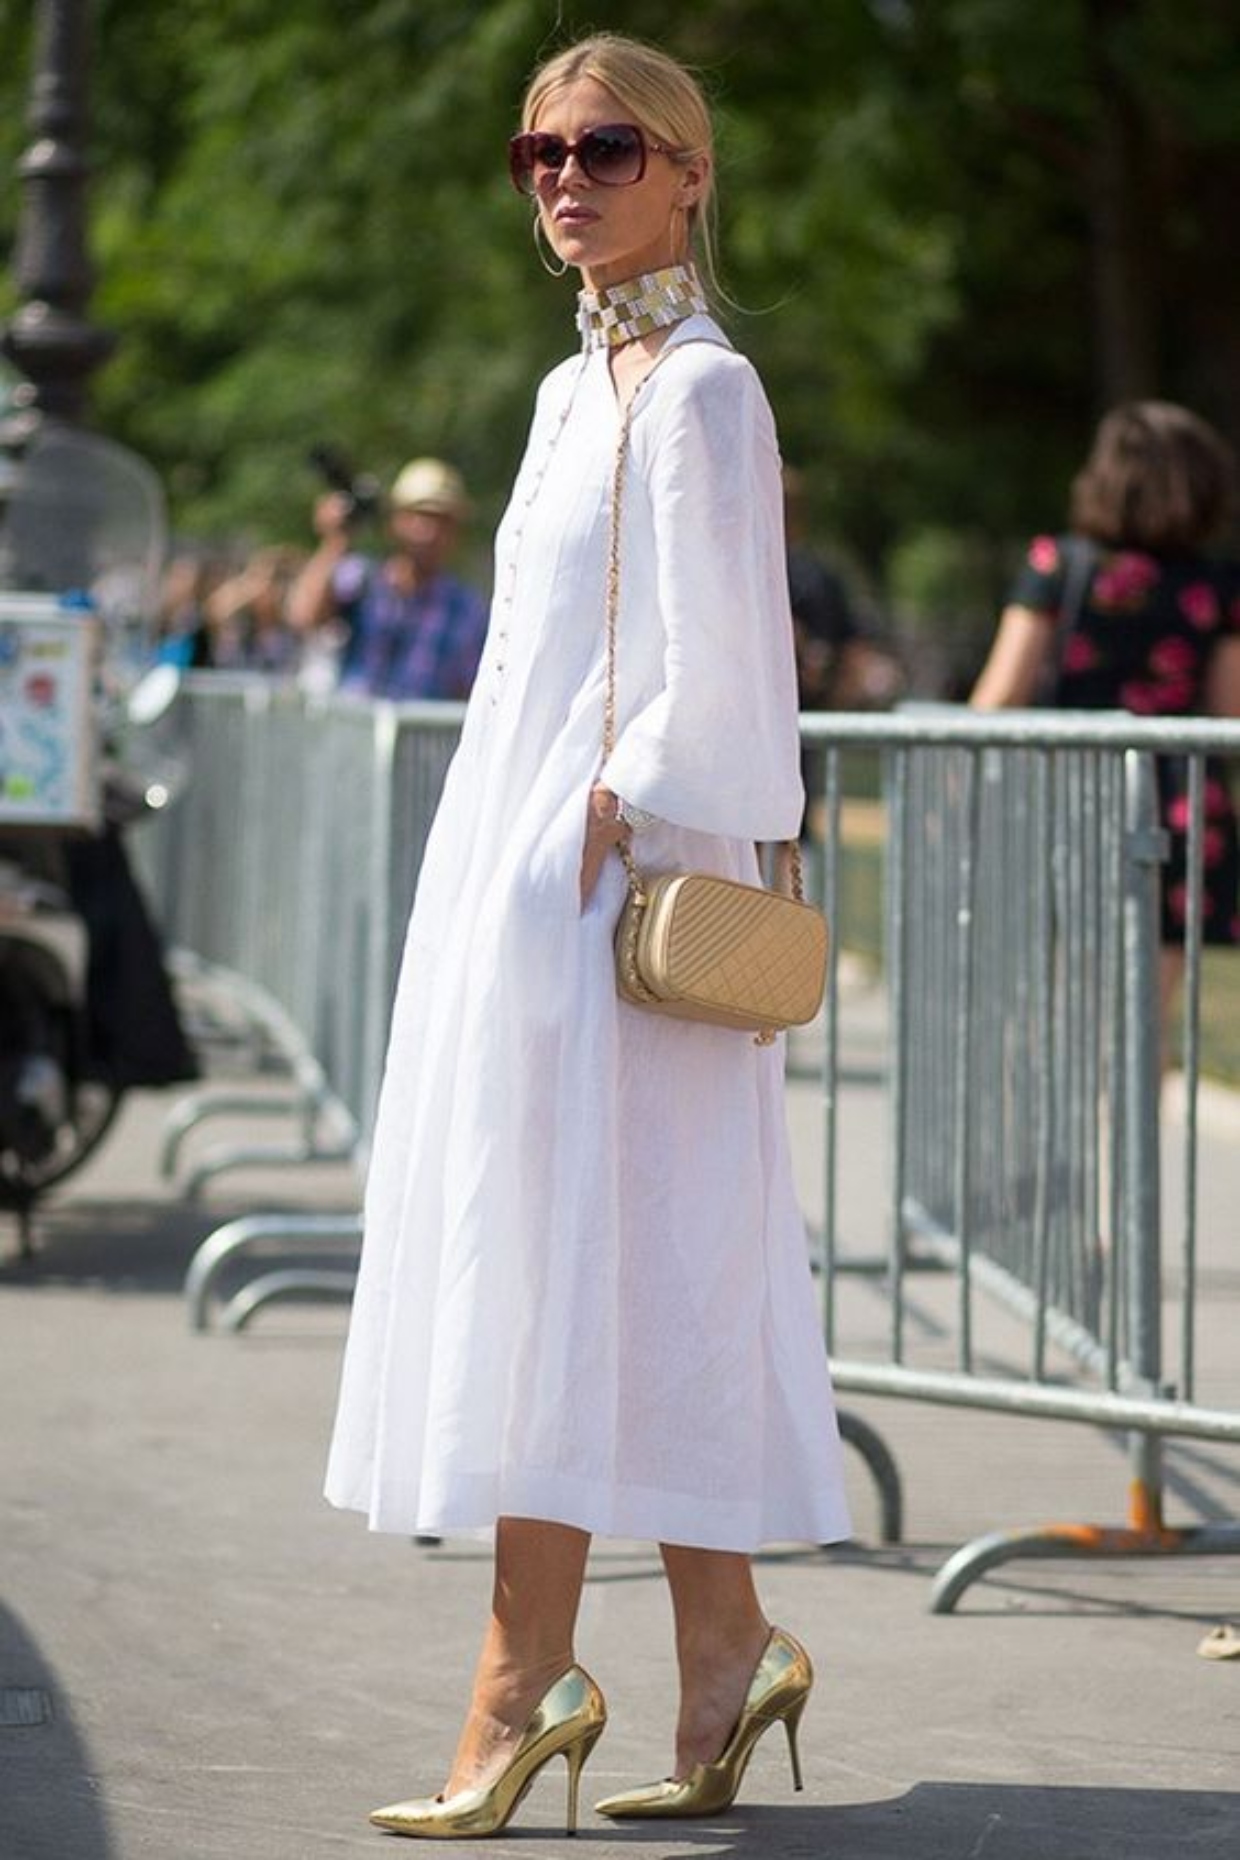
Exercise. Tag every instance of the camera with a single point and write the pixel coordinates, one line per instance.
(361, 490)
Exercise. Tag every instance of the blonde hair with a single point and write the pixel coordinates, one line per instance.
(664, 99)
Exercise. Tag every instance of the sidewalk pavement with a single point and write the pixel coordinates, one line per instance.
(198, 1658)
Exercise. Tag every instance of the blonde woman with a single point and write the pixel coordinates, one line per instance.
(585, 1303)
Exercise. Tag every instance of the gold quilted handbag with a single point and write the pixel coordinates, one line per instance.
(704, 948)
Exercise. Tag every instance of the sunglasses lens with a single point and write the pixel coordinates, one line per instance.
(530, 154)
(613, 156)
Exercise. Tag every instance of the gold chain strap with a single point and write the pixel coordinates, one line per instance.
(613, 578)
(613, 612)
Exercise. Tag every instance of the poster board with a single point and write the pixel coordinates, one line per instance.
(49, 738)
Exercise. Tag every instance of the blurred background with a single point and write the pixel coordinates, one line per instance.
(953, 230)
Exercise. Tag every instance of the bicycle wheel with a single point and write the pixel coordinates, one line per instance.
(92, 1109)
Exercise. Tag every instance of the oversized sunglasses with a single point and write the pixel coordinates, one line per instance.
(614, 155)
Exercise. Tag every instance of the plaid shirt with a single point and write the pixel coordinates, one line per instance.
(421, 645)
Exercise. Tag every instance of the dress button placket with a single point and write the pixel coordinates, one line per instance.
(509, 593)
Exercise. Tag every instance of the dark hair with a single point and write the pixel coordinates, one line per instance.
(1158, 477)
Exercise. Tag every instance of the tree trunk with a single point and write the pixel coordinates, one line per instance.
(1125, 237)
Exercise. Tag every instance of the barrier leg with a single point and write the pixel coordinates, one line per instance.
(312, 1101)
(196, 1107)
(289, 1282)
(254, 1233)
(1144, 1535)
(296, 1154)
(882, 1466)
(1065, 1541)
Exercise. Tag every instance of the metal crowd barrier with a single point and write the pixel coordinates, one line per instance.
(286, 870)
(1023, 970)
(1020, 1080)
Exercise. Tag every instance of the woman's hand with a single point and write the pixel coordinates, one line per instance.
(603, 833)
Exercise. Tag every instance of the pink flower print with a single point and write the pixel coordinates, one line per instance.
(1142, 700)
(1213, 846)
(1199, 605)
(1043, 555)
(1079, 653)
(1175, 697)
(1172, 657)
(1125, 581)
(1216, 805)
(1177, 902)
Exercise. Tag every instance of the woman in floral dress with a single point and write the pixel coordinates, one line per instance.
(1128, 612)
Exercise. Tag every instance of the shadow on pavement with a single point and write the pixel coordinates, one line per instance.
(968, 1821)
(50, 1808)
(110, 1245)
(132, 1245)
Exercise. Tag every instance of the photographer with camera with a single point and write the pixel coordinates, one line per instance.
(411, 629)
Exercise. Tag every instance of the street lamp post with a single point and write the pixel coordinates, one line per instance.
(77, 511)
(51, 339)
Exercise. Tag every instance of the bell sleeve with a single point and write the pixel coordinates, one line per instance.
(716, 748)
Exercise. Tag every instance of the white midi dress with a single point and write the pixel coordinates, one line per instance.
(584, 1293)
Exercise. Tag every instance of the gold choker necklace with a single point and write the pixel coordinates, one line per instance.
(620, 313)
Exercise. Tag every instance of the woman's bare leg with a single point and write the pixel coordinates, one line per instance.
(720, 1634)
(539, 1570)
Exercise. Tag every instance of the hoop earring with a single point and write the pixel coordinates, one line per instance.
(555, 271)
(681, 234)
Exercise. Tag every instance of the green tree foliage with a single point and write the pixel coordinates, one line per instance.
(952, 231)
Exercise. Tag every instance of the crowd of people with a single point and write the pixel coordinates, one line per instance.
(402, 623)
(396, 624)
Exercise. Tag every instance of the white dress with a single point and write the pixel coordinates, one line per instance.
(584, 1293)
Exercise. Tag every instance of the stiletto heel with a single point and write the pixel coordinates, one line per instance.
(568, 1721)
(777, 1694)
(792, 1724)
(574, 1759)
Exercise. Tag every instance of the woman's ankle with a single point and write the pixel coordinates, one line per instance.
(722, 1642)
(509, 1682)
(505, 1696)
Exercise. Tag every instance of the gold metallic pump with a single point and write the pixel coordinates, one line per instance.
(777, 1694)
(567, 1722)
